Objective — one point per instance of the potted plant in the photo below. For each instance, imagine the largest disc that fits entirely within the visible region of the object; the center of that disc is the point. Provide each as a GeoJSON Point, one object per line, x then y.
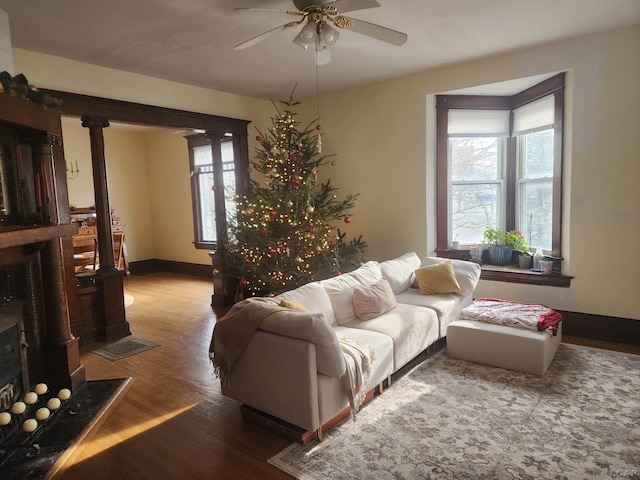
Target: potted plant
{"type": "Point", "coordinates": [502, 244]}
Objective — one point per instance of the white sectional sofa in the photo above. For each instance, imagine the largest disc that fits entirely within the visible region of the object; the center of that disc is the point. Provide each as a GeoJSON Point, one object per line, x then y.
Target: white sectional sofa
{"type": "Point", "coordinates": [293, 366]}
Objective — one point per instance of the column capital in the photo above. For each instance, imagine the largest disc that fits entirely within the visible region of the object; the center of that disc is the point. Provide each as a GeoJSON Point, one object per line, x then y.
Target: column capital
{"type": "Point", "coordinates": [91, 122]}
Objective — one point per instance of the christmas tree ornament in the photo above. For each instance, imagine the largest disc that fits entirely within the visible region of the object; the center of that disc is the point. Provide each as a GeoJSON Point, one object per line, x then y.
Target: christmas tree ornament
{"type": "Point", "coordinates": [258, 139]}
{"type": "Point", "coordinates": [272, 213]}
{"type": "Point", "coordinates": [347, 219]}
{"type": "Point", "coordinates": [310, 224]}
{"type": "Point", "coordinates": [310, 209]}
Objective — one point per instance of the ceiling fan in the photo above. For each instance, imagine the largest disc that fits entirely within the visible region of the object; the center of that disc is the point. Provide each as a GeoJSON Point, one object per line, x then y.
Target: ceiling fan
{"type": "Point", "coordinates": [317, 31]}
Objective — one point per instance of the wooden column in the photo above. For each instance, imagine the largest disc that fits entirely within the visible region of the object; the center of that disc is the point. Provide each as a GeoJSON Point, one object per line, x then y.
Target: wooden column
{"type": "Point", "coordinates": [63, 365]}
{"type": "Point", "coordinates": [114, 323]}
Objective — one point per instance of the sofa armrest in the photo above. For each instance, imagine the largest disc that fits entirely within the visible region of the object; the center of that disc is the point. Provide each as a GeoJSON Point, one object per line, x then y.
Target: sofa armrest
{"type": "Point", "coordinates": [277, 375]}
{"type": "Point", "coordinates": [312, 327]}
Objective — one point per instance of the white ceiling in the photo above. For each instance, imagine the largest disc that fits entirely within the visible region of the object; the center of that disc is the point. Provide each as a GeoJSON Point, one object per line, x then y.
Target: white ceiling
{"type": "Point", "coordinates": [191, 41]}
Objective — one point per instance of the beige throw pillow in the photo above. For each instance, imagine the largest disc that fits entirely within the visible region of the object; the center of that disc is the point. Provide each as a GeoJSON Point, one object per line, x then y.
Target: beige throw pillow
{"type": "Point", "coordinates": [438, 278]}
{"type": "Point", "coordinates": [371, 302]}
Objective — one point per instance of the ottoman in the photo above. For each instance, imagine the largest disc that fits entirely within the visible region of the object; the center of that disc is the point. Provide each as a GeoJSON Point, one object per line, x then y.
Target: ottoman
{"type": "Point", "coordinates": [513, 348]}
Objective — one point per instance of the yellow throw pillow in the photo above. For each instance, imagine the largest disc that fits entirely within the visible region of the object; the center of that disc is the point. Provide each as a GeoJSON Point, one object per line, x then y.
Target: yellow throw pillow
{"type": "Point", "coordinates": [438, 278]}
{"type": "Point", "coordinates": [293, 305]}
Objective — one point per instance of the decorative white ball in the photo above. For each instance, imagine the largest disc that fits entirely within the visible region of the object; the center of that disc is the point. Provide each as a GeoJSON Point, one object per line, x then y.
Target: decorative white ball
{"type": "Point", "coordinates": [42, 413]}
{"type": "Point", "coordinates": [31, 398]}
{"type": "Point", "coordinates": [41, 388]}
{"type": "Point", "coordinates": [53, 403]}
{"type": "Point", "coordinates": [64, 394]}
{"type": "Point", "coordinates": [311, 209]}
{"type": "Point", "coordinates": [18, 408]}
{"type": "Point", "coordinates": [5, 419]}
{"type": "Point", "coordinates": [29, 425]}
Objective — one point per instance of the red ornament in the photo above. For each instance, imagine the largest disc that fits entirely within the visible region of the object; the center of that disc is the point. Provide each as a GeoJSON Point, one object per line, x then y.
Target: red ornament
{"type": "Point", "coordinates": [338, 273]}
{"type": "Point", "coordinates": [347, 219]}
{"type": "Point", "coordinates": [272, 250]}
{"type": "Point", "coordinates": [293, 158]}
{"type": "Point", "coordinates": [265, 231]}
{"type": "Point", "coordinates": [272, 213]}
{"type": "Point", "coordinates": [310, 224]}
{"type": "Point", "coordinates": [302, 213]}
{"type": "Point", "coordinates": [246, 260]}
{"type": "Point", "coordinates": [256, 166]}
{"type": "Point", "coordinates": [258, 138]}
{"type": "Point", "coordinates": [318, 127]}
{"type": "Point", "coordinates": [243, 282]}
{"type": "Point", "coordinates": [296, 182]}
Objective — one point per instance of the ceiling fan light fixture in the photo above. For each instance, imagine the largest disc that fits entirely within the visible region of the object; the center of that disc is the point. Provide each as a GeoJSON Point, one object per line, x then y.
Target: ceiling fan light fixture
{"type": "Point", "coordinates": [307, 36]}
{"type": "Point", "coordinates": [328, 35]}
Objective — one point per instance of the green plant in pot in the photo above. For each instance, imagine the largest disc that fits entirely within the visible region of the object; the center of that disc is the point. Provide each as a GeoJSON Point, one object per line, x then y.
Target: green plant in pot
{"type": "Point", "coordinates": [502, 244]}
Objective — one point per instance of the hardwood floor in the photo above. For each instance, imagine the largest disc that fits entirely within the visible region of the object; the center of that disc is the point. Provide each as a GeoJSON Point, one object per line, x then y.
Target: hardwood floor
{"type": "Point", "coordinates": [172, 422]}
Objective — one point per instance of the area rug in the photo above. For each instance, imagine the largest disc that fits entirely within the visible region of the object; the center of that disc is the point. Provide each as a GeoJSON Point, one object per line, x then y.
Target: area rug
{"type": "Point", "coordinates": [451, 419]}
{"type": "Point", "coordinates": [124, 347]}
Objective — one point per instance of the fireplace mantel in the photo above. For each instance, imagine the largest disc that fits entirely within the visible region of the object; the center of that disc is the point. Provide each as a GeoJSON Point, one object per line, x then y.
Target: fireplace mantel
{"type": "Point", "coordinates": [27, 235]}
{"type": "Point", "coordinates": [35, 237]}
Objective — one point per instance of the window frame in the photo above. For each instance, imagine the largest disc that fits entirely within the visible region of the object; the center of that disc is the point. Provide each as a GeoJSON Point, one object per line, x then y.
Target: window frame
{"type": "Point", "coordinates": [552, 86]}
{"type": "Point", "coordinates": [241, 170]}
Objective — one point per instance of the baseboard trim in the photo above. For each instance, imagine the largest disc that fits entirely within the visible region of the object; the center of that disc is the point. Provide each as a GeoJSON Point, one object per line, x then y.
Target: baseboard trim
{"type": "Point", "coordinates": [601, 327]}
{"type": "Point", "coordinates": [154, 265]}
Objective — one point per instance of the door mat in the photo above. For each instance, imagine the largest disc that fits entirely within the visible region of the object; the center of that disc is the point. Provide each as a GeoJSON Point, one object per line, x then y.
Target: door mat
{"type": "Point", "coordinates": [124, 348]}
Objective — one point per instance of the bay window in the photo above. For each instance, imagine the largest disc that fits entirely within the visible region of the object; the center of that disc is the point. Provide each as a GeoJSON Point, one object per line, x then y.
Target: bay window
{"type": "Point", "coordinates": [499, 164]}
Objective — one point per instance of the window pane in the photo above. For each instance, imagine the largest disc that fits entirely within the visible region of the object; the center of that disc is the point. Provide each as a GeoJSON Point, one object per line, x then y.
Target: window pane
{"type": "Point", "coordinates": [475, 158]}
{"type": "Point", "coordinates": [202, 155]}
{"type": "Point", "coordinates": [229, 179]}
{"type": "Point", "coordinates": [207, 205]}
{"type": "Point", "coordinates": [537, 154]}
{"type": "Point", "coordinates": [535, 219]}
{"type": "Point", "coordinates": [473, 208]}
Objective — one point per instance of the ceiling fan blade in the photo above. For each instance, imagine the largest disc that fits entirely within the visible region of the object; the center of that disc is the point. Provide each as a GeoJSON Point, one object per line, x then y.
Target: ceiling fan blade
{"type": "Point", "coordinates": [252, 41]}
{"type": "Point", "coordinates": [289, 12]}
{"type": "Point", "coordinates": [377, 31]}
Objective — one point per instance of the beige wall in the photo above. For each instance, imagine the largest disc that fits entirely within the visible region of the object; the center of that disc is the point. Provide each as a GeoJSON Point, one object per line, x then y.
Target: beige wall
{"type": "Point", "coordinates": [383, 135]}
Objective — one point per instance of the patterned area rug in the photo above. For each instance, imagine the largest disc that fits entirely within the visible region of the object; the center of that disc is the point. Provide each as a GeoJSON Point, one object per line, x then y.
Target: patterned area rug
{"type": "Point", "coordinates": [451, 419]}
{"type": "Point", "coordinates": [124, 348]}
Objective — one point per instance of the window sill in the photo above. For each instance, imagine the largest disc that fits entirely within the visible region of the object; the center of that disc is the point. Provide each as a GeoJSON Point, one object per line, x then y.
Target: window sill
{"type": "Point", "coordinates": [520, 275]}
{"type": "Point", "coordinates": [512, 274]}
{"type": "Point", "coordinates": [206, 245]}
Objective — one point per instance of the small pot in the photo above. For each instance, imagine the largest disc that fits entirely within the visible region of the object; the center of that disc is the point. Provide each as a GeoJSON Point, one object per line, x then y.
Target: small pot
{"type": "Point", "coordinates": [525, 261]}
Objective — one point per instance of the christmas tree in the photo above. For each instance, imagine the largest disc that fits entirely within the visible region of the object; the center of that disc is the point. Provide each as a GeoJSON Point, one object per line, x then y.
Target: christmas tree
{"type": "Point", "coordinates": [285, 234]}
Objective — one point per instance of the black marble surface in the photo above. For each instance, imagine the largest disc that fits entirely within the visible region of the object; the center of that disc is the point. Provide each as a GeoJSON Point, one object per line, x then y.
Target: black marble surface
{"type": "Point", "coordinates": [32, 455]}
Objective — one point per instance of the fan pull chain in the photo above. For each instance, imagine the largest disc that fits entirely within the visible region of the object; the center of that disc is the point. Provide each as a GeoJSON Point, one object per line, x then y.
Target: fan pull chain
{"type": "Point", "coordinates": [319, 144]}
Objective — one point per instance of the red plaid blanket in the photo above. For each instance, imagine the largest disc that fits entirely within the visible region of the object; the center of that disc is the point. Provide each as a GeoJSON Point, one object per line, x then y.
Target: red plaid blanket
{"type": "Point", "coordinates": [503, 312]}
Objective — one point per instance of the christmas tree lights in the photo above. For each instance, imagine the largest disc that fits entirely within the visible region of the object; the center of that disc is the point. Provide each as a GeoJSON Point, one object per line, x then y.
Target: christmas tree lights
{"type": "Point", "coordinates": [285, 234]}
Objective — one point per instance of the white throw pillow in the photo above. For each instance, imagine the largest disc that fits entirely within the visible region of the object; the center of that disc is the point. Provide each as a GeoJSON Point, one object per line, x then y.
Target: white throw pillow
{"type": "Point", "coordinates": [313, 297]}
{"type": "Point", "coordinates": [399, 271]}
{"type": "Point", "coordinates": [371, 302]}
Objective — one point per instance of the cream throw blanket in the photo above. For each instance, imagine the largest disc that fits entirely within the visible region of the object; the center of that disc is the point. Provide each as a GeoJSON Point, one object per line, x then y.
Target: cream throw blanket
{"type": "Point", "coordinates": [233, 332]}
{"type": "Point", "coordinates": [359, 358]}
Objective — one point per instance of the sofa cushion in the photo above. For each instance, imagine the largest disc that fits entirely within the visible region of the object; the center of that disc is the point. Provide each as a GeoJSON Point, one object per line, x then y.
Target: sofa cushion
{"type": "Point", "coordinates": [382, 365]}
{"type": "Point", "coordinates": [446, 306]}
{"type": "Point", "coordinates": [437, 278]}
{"type": "Point", "coordinates": [399, 271]}
{"type": "Point", "coordinates": [314, 328]}
{"type": "Point", "coordinates": [312, 297]}
{"type": "Point", "coordinates": [340, 290]}
{"type": "Point", "coordinates": [411, 328]}
{"type": "Point", "coordinates": [467, 273]}
{"type": "Point", "coordinates": [374, 300]}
